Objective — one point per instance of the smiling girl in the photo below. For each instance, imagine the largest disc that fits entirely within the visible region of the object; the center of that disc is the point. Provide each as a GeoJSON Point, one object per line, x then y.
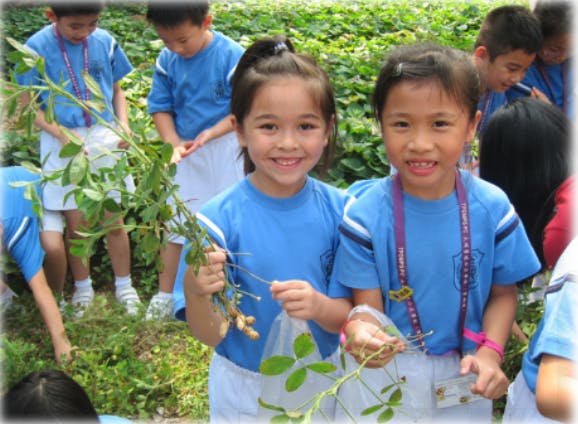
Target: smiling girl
{"type": "Point", "coordinates": [282, 221]}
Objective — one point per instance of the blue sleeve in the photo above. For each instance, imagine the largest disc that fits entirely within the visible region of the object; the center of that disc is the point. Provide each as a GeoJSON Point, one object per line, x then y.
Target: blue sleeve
{"type": "Point", "coordinates": [121, 66]}
{"type": "Point", "coordinates": [160, 98]}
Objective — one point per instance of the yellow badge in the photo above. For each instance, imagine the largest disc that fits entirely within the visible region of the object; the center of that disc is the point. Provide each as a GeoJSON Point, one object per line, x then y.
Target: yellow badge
{"type": "Point", "coordinates": [401, 294]}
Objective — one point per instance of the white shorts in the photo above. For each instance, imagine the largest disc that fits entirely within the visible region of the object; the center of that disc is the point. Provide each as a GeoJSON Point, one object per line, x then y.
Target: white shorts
{"type": "Point", "coordinates": [418, 403]}
{"type": "Point", "coordinates": [205, 173]}
{"type": "Point", "coordinates": [521, 405]}
{"type": "Point", "coordinates": [52, 221]}
{"type": "Point", "coordinates": [233, 392]}
{"type": "Point", "coordinates": [97, 140]}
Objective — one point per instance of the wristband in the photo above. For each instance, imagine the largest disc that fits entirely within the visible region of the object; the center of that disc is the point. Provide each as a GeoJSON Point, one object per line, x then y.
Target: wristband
{"type": "Point", "coordinates": [481, 340]}
{"type": "Point", "coordinates": [343, 336]}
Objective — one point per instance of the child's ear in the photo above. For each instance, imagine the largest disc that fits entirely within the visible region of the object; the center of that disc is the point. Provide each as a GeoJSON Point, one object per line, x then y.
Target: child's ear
{"type": "Point", "coordinates": [473, 126]}
{"type": "Point", "coordinates": [481, 52]}
{"type": "Point", "coordinates": [207, 22]}
{"type": "Point", "coordinates": [49, 13]}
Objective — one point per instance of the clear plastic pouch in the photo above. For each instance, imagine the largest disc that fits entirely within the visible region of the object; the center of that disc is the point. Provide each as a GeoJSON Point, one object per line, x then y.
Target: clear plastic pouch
{"type": "Point", "coordinates": [281, 341]}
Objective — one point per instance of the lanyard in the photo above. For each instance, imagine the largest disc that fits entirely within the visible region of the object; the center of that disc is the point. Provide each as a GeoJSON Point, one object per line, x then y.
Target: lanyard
{"type": "Point", "coordinates": [400, 248]}
{"type": "Point", "coordinates": [542, 69]}
{"type": "Point", "coordinates": [75, 84]}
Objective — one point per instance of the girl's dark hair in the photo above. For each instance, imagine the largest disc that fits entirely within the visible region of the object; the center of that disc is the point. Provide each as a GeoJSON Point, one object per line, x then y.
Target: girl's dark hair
{"type": "Point", "coordinates": [556, 17]}
{"type": "Point", "coordinates": [525, 151]}
{"type": "Point", "coordinates": [172, 14]}
{"type": "Point", "coordinates": [453, 69]}
{"type": "Point", "coordinates": [48, 396]}
{"type": "Point", "coordinates": [509, 28]}
{"type": "Point", "coordinates": [64, 8]}
{"type": "Point", "coordinates": [275, 57]}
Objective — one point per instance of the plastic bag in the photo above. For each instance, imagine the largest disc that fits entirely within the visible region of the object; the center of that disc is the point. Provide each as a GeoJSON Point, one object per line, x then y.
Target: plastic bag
{"type": "Point", "coordinates": [281, 341]}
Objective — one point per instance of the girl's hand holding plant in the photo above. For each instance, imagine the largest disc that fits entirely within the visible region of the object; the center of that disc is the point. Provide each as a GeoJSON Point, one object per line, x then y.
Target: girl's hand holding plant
{"type": "Point", "coordinates": [210, 278]}
{"type": "Point", "coordinates": [365, 339]}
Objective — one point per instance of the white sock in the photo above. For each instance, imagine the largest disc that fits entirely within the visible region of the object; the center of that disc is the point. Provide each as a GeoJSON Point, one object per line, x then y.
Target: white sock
{"type": "Point", "coordinates": [122, 282]}
{"type": "Point", "coordinates": [164, 295]}
{"type": "Point", "coordinates": [83, 285]}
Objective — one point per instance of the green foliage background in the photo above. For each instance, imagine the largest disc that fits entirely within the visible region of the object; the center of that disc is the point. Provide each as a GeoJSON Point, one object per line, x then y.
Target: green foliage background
{"type": "Point", "coordinates": [157, 370]}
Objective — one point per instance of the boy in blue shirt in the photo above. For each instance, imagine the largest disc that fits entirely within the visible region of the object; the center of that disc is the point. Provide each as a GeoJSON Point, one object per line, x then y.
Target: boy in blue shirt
{"type": "Point", "coordinates": [20, 237]}
{"type": "Point", "coordinates": [550, 76]}
{"type": "Point", "coordinates": [189, 102]}
{"type": "Point", "coordinates": [70, 45]}
{"type": "Point", "coordinates": [505, 47]}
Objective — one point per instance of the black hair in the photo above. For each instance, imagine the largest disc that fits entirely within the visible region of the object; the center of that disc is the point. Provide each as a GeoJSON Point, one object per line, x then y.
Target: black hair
{"type": "Point", "coordinates": [556, 17]}
{"type": "Point", "coordinates": [48, 396]}
{"type": "Point", "coordinates": [64, 8]}
{"type": "Point", "coordinates": [274, 57]}
{"type": "Point", "coordinates": [452, 68]}
{"type": "Point", "coordinates": [170, 15]}
{"type": "Point", "coordinates": [525, 150]}
{"type": "Point", "coordinates": [509, 28]}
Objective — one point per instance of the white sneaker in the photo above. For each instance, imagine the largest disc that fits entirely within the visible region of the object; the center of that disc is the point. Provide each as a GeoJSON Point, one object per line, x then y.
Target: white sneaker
{"type": "Point", "coordinates": [160, 309]}
{"type": "Point", "coordinates": [6, 300]}
{"type": "Point", "coordinates": [129, 298]}
{"type": "Point", "coordinates": [81, 299]}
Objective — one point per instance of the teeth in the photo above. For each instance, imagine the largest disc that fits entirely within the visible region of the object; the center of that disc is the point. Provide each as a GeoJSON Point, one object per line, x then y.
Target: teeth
{"type": "Point", "coordinates": [421, 164]}
{"type": "Point", "coordinates": [286, 162]}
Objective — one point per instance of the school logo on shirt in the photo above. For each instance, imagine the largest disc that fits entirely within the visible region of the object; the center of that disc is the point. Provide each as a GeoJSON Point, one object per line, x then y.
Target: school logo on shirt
{"type": "Point", "coordinates": [326, 259]}
{"type": "Point", "coordinates": [219, 90]}
{"type": "Point", "coordinates": [96, 70]}
{"type": "Point", "coordinates": [477, 257]}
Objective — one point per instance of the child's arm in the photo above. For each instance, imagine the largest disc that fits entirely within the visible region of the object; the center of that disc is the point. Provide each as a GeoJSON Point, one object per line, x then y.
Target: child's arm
{"type": "Point", "coordinates": [224, 126]}
{"type": "Point", "coordinates": [120, 107]}
{"type": "Point", "coordinates": [497, 323]}
{"type": "Point", "coordinates": [51, 315]}
{"type": "Point", "coordinates": [556, 387]}
{"type": "Point", "coordinates": [165, 125]}
{"type": "Point", "coordinates": [51, 128]}
{"type": "Point", "coordinates": [302, 301]}
{"type": "Point", "coordinates": [202, 317]}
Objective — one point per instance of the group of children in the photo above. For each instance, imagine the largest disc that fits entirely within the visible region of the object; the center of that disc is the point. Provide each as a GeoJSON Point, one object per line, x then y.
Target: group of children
{"type": "Point", "coordinates": [433, 248]}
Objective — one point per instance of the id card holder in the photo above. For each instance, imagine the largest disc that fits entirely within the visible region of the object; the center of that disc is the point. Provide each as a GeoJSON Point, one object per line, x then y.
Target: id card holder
{"type": "Point", "coordinates": [455, 391]}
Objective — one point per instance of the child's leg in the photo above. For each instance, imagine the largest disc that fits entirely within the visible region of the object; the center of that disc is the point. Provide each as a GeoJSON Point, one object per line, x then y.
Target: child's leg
{"type": "Point", "coordinates": [118, 246]}
{"type": "Point", "coordinates": [161, 304]}
{"type": "Point", "coordinates": [51, 238]}
{"type": "Point", "coordinates": [83, 292]}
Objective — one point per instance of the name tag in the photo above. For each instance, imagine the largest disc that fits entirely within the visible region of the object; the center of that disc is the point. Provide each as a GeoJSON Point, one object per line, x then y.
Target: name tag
{"type": "Point", "coordinates": [455, 391]}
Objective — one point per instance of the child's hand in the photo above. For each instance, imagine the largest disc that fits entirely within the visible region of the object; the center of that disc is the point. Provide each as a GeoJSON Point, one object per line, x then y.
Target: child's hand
{"type": "Point", "coordinates": [365, 339]}
{"type": "Point", "coordinates": [492, 383]}
{"type": "Point", "coordinates": [539, 95]}
{"type": "Point", "coordinates": [210, 278]}
{"type": "Point", "coordinates": [297, 297]}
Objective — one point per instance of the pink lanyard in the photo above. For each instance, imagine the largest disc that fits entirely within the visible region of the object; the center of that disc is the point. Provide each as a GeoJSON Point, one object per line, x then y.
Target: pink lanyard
{"type": "Point", "coordinates": [547, 81]}
{"type": "Point", "coordinates": [75, 84]}
{"type": "Point", "coordinates": [400, 247]}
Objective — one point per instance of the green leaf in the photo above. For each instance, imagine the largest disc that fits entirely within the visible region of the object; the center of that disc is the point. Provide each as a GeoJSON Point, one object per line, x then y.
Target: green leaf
{"type": "Point", "coordinates": [93, 194]}
{"type": "Point", "coordinates": [266, 405]}
{"type": "Point", "coordinates": [296, 379]}
{"type": "Point", "coordinates": [322, 367]}
{"type": "Point", "coordinates": [371, 410]}
{"type": "Point", "coordinates": [77, 168]}
{"type": "Point", "coordinates": [303, 345]}
{"type": "Point", "coordinates": [280, 419]}
{"type": "Point", "coordinates": [111, 205]}
{"type": "Point", "coordinates": [385, 416]}
{"type": "Point", "coordinates": [395, 396]}
{"type": "Point", "coordinates": [92, 85]}
{"type": "Point", "coordinates": [166, 152]}
{"type": "Point", "coordinates": [69, 150]}
{"type": "Point", "coordinates": [276, 365]}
